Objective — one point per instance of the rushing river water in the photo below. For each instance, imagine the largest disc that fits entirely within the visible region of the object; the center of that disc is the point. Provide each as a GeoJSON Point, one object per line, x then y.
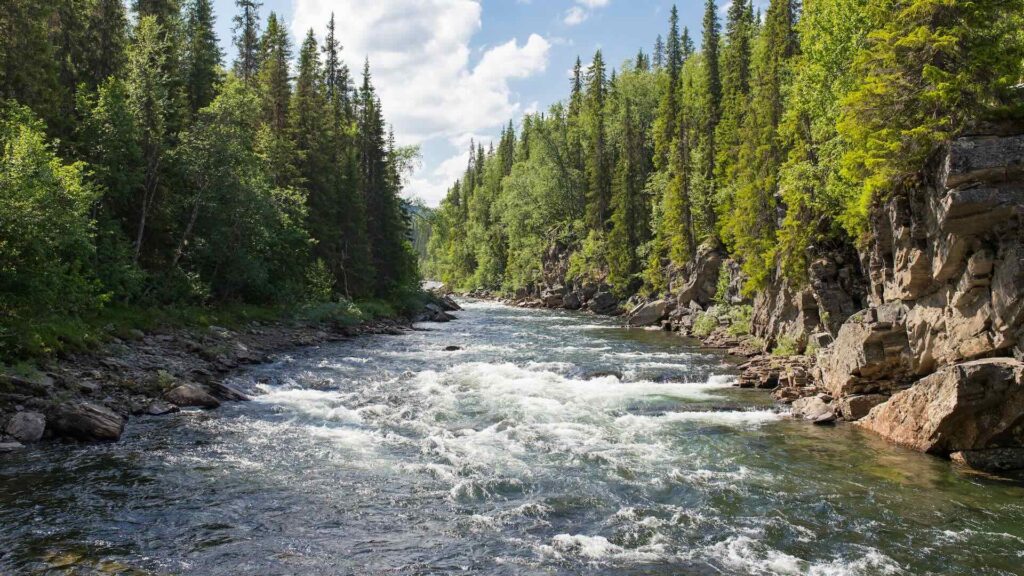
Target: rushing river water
{"type": "Point", "coordinates": [523, 452]}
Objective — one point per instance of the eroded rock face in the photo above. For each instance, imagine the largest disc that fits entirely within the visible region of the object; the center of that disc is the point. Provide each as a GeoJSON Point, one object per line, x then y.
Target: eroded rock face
{"type": "Point", "coordinates": [949, 254]}
{"type": "Point", "coordinates": [853, 408]}
{"type": "Point", "coordinates": [974, 405]}
{"type": "Point", "coordinates": [700, 276]}
{"type": "Point", "coordinates": [871, 354]}
{"type": "Point", "coordinates": [86, 421]}
{"type": "Point", "coordinates": [603, 303]}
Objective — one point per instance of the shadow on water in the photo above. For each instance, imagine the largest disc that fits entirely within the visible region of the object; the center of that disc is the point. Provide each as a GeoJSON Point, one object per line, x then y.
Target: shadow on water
{"type": "Point", "coordinates": [547, 443]}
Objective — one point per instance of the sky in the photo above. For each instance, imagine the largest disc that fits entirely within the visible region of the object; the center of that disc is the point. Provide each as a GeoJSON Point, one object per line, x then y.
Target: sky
{"type": "Point", "coordinates": [452, 71]}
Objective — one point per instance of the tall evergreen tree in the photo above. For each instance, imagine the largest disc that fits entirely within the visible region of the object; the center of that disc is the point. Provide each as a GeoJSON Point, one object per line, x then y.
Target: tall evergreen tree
{"type": "Point", "coordinates": [203, 56]}
{"type": "Point", "coordinates": [596, 160]}
{"type": "Point", "coordinates": [713, 87]}
{"type": "Point", "coordinates": [247, 39]}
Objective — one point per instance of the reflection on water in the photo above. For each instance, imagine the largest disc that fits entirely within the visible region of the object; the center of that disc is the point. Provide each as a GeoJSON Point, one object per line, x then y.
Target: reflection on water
{"type": "Point", "coordinates": [550, 443]}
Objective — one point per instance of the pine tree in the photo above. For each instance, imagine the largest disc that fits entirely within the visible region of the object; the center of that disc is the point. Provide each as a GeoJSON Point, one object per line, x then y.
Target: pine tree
{"type": "Point", "coordinates": [247, 39]}
{"type": "Point", "coordinates": [686, 44]}
{"type": "Point", "coordinates": [203, 56]}
{"type": "Point", "coordinates": [659, 53]}
{"type": "Point", "coordinates": [275, 88]}
{"type": "Point", "coordinates": [337, 82]}
{"type": "Point", "coordinates": [670, 101]}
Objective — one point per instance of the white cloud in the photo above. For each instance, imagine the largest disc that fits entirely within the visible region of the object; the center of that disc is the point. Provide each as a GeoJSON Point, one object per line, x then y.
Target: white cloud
{"type": "Point", "coordinates": [420, 58]}
{"type": "Point", "coordinates": [577, 14]}
{"type": "Point", "coordinates": [432, 186]}
{"type": "Point", "coordinates": [574, 16]}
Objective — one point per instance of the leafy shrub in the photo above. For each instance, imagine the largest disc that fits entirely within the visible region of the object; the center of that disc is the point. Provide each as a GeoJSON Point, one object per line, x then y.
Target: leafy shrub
{"type": "Point", "coordinates": [705, 323]}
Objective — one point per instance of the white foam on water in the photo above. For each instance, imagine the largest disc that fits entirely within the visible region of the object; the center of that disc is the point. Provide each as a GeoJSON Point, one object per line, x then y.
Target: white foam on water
{"type": "Point", "coordinates": [736, 419]}
{"type": "Point", "coordinates": [747, 554]}
{"type": "Point", "coordinates": [598, 549]}
{"type": "Point", "coordinates": [315, 404]}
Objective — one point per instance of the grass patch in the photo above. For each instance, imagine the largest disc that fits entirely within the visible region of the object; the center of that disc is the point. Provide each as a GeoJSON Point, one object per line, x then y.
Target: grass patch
{"type": "Point", "coordinates": [786, 346]}
{"type": "Point", "coordinates": [25, 339]}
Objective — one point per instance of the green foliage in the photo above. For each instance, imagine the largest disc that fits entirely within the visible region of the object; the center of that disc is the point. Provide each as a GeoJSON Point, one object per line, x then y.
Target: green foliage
{"type": "Point", "coordinates": [185, 187]}
{"type": "Point", "coordinates": [928, 68]}
{"type": "Point", "coordinates": [787, 346]}
{"type": "Point", "coordinates": [705, 324]}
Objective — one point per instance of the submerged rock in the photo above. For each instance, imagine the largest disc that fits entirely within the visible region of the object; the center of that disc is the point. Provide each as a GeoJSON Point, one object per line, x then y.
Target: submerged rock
{"type": "Point", "coordinates": [86, 421]}
{"type": "Point", "coordinates": [191, 395]}
{"type": "Point", "coordinates": [160, 408]}
{"type": "Point", "coordinates": [970, 406]}
{"type": "Point", "coordinates": [10, 446]}
{"type": "Point", "coordinates": [26, 426]}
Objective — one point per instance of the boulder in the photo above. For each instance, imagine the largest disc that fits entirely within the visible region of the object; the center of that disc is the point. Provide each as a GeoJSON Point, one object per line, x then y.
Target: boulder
{"type": "Point", "coordinates": [572, 301]}
{"type": "Point", "coordinates": [191, 395]}
{"type": "Point", "coordinates": [813, 408]}
{"type": "Point", "coordinates": [604, 303]}
{"type": "Point", "coordinates": [26, 426]}
{"type": "Point", "coordinates": [434, 313]}
{"type": "Point", "coordinates": [648, 314]}
{"type": "Point", "coordinates": [160, 408]}
{"type": "Point", "coordinates": [226, 392]}
{"type": "Point", "coordinates": [86, 421]}
{"type": "Point", "coordinates": [552, 299]}
{"type": "Point", "coordinates": [853, 408]}
{"type": "Point", "coordinates": [970, 406]}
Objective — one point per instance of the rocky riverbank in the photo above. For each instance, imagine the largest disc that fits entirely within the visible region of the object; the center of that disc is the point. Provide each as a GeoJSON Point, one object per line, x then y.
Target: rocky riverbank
{"type": "Point", "coordinates": [91, 396]}
{"type": "Point", "coordinates": [916, 335]}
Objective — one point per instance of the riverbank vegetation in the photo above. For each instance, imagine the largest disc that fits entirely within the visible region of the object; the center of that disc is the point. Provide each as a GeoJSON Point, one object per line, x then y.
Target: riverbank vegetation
{"type": "Point", "coordinates": [142, 180]}
{"type": "Point", "coordinates": [771, 138]}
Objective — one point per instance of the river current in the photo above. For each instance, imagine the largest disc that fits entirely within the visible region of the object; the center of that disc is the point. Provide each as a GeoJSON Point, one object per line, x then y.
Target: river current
{"type": "Point", "coordinates": [548, 443]}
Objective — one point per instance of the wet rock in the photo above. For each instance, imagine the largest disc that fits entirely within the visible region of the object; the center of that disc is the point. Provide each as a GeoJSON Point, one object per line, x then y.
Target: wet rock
{"type": "Point", "coordinates": [26, 426]}
{"type": "Point", "coordinates": [595, 374]}
{"type": "Point", "coordinates": [227, 392]}
{"type": "Point", "coordinates": [191, 395]}
{"type": "Point", "coordinates": [853, 408]}
{"type": "Point", "coordinates": [10, 446]}
{"type": "Point", "coordinates": [648, 314]}
{"type": "Point", "coordinates": [434, 313]}
{"type": "Point", "coordinates": [86, 421]}
{"type": "Point", "coordinates": [970, 406]}
{"type": "Point", "coordinates": [604, 303]}
{"type": "Point", "coordinates": [571, 301]}
{"type": "Point", "coordinates": [452, 348]}
{"type": "Point", "coordinates": [448, 304]}
{"type": "Point", "coordinates": [813, 408]}
{"type": "Point", "coordinates": [160, 408]}
{"type": "Point", "coordinates": [991, 460]}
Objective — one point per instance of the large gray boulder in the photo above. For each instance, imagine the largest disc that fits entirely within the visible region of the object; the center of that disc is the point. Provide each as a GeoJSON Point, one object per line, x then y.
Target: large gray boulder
{"type": "Point", "coordinates": [86, 421]}
{"type": "Point", "coordinates": [191, 395]}
{"type": "Point", "coordinates": [975, 405]}
{"type": "Point", "coordinates": [26, 426]}
{"type": "Point", "coordinates": [649, 313]}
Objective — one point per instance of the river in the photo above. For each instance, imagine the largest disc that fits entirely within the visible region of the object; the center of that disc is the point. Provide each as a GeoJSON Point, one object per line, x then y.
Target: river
{"type": "Point", "coordinates": [548, 443]}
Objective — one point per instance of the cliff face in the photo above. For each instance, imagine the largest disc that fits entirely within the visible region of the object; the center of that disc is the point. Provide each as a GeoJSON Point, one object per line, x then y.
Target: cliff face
{"type": "Point", "coordinates": [945, 270]}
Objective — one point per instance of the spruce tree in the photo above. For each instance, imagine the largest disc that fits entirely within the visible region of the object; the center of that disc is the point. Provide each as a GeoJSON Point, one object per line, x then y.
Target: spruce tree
{"type": "Point", "coordinates": [596, 157]}
{"type": "Point", "coordinates": [203, 56]}
{"type": "Point", "coordinates": [247, 39]}
{"type": "Point", "coordinates": [712, 114]}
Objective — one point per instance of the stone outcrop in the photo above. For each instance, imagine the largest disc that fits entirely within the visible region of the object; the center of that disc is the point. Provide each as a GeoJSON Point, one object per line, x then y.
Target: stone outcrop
{"type": "Point", "coordinates": [974, 405]}
{"type": "Point", "coordinates": [86, 421]}
{"type": "Point", "coordinates": [698, 281]}
{"type": "Point", "coordinates": [945, 267]}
